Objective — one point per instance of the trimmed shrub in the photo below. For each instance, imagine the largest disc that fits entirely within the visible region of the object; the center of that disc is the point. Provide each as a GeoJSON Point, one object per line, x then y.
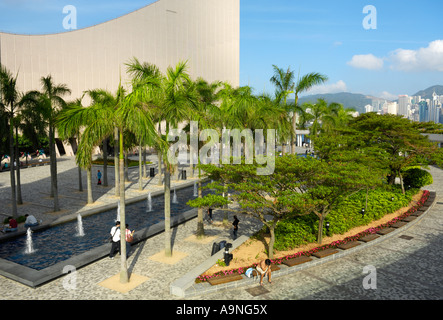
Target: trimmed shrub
{"type": "Point", "coordinates": [417, 178]}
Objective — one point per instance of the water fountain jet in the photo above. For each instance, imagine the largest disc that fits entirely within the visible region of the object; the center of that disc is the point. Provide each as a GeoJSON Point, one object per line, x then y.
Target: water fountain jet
{"type": "Point", "coordinates": [195, 189]}
{"type": "Point", "coordinates": [174, 198]}
{"type": "Point", "coordinates": [149, 205]}
{"type": "Point", "coordinates": [80, 230]}
{"type": "Point", "coordinates": [29, 244]}
{"type": "Point", "coordinates": [118, 212]}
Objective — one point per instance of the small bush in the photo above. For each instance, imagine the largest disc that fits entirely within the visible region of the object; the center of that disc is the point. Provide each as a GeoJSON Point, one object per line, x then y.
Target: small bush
{"type": "Point", "coordinates": [417, 178]}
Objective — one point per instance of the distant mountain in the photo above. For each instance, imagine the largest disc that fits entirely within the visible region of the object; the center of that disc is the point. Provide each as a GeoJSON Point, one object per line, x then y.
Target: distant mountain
{"type": "Point", "coordinates": [359, 101]}
{"type": "Point", "coordinates": [427, 93]}
{"type": "Point", "coordinates": [348, 100]}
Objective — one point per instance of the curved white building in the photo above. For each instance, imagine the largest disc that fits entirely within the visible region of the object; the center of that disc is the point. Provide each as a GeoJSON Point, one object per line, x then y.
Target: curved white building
{"type": "Point", "coordinates": [206, 33]}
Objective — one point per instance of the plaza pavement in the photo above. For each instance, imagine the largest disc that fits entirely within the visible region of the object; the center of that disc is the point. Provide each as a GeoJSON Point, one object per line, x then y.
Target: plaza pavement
{"type": "Point", "coordinates": [406, 267]}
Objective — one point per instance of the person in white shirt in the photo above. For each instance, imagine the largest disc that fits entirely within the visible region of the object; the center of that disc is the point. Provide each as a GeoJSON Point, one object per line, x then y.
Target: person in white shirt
{"type": "Point", "coordinates": [115, 239]}
{"type": "Point", "coordinates": [31, 221]}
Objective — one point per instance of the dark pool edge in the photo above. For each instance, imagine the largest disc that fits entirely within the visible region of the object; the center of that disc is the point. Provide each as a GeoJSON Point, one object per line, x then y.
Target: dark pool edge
{"type": "Point", "coordinates": [34, 278]}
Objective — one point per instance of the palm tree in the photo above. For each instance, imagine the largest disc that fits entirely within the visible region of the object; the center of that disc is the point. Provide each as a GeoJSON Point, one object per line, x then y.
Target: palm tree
{"type": "Point", "coordinates": [303, 84]}
{"type": "Point", "coordinates": [128, 115]}
{"type": "Point", "coordinates": [71, 135]}
{"type": "Point", "coordinates": [46, 104]}
{"type": "Point", "coordinates": [178, 101]}
{"type": "Point", "coordinates": [284, 83]}
{"type": "Point", "coordinates": [9, 99]}
{"type": "Point", "coordinates": [207, 114]}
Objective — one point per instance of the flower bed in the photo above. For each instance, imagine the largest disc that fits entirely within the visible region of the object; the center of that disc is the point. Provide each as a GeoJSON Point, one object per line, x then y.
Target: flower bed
{"type": "Point", "coordinates": [373, 230]}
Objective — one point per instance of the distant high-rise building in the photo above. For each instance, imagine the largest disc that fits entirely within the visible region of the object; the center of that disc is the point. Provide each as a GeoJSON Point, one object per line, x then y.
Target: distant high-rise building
{"type": "Point", "coordinates": [391, 107]}
{"type": "Point", "coordinates": [423, 111]}
{"type": "Point", "coordinates": [377, 105]}
{"type": "Point", "coordinates": [403, 103]}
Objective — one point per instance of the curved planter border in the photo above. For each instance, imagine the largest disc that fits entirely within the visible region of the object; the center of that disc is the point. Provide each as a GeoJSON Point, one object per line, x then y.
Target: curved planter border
{"type": "Point", "coordinates": [186, 286]}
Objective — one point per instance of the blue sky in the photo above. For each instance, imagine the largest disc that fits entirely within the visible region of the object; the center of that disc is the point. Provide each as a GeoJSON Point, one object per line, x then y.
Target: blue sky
{"type": "Point", "coordinates": [402, 55]}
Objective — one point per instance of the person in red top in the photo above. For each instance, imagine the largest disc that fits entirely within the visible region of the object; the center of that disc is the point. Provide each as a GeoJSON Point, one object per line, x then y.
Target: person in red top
{"type": "Point", "coordinates": [12, 225]}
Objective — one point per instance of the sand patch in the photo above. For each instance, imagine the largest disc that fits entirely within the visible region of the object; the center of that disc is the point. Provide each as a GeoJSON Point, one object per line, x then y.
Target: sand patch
{"type": "Point", "coordinates": [176, 257]}
{"type": "Point", "coordinates": [114, 283]}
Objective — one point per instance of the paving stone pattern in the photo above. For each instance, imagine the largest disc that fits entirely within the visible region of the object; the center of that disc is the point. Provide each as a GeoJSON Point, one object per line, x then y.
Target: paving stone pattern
{"type": "Point", "coordinates": [407, 265]}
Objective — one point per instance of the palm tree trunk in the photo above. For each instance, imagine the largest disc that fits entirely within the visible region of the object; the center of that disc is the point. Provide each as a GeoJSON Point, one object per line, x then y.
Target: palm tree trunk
{"type": "Point", "coordinates": [19, 188]}
{"type": "Point", "coordinates": [294, 133]}
{"type": "Point", "coordinates": [89, 184]}
{"type": "Point", "coordinates": [126, 167]}
{"type": "Point", "coordinates": [11, 166]}
{"type": "Point", "coordinates": [144, 163]}
{"type": "Point", "coordinates": [159, 168]}
{"type": "Point", "coordinates": [53, 162]}
{"type": "Point", "coordinates": [168, 249]}
{"type": "Point", "coordinates": [124, 278]}
{"type": "Point", "coordinates": [105, 162]}
{"type": "Point", "coordinates": [200, 226]}
{"type": "Point", "coordinates": [191, 160]}
{"type": "Point", "coordinates": [140, 168]}
{"type": "Point", "coordinates": [80, 185]}
{"type": "Point", "coordinates": [116, 163]}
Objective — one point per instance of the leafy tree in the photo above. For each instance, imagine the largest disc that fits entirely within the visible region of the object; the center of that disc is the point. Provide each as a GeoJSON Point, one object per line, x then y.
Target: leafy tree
{"type": "Point", "coordinates": [327, 184]}
{"type": "Point", "coordinates": [298, 186]}
{"type": "Point", "coordinates": [398, 141]}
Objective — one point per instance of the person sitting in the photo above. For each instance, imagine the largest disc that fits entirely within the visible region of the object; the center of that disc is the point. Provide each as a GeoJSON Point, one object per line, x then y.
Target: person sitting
{"type": "Point", "coordinates": [12, 226]}
{"type": "Point", "coordinates": [5, 162]}
{"type": "Point", "coordinates": [264, 267]}
{"type": "Point", "coordinates": [31, 221]}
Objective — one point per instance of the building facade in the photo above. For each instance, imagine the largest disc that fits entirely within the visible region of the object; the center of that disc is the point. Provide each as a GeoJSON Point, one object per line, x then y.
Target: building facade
{"type": "Point", "coordinates": [205, 33]}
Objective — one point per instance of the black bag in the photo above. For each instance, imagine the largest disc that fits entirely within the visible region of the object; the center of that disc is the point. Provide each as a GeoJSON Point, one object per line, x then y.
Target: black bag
{"type": "Point", "coordinates": [110, 237]}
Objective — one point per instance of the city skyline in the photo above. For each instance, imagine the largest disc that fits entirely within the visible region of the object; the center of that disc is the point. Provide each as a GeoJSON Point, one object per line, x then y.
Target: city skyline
{"type": "Point", "coordinates": [374, 48]}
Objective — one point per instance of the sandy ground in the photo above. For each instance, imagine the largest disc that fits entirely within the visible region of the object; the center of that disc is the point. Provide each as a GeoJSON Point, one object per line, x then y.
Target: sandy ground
{"type": "Point", "coordinates": [253, 251]}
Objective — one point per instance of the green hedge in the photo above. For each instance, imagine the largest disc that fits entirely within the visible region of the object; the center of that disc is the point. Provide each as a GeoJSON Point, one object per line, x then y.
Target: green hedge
{"type": "Point", "coordinates": [297, 231]}
{"type": "Point", "coordinates": [417, 178]}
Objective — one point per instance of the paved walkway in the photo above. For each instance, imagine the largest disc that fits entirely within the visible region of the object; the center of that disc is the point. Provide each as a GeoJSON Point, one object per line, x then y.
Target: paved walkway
{"type": "Point", "coordinates": [404, 267]}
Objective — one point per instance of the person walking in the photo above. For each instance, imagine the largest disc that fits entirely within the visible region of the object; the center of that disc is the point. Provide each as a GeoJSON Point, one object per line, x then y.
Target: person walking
{"type": "Point", "coordinates": [210, 215]}
{"type": "Point", "coordinates": [115, 239]}
{"type": "Point", "coordinates": [99, 177]}
{"type": "Point", "coordinates": [235, 224]}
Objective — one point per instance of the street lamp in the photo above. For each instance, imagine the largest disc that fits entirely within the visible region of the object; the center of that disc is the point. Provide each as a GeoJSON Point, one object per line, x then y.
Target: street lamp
{"type": "Point", "coordinates": [363, 212]}
{"type": "Point", "coordinates": [228, 256]}
{"type": "Point", "coordinates": [327, 227]}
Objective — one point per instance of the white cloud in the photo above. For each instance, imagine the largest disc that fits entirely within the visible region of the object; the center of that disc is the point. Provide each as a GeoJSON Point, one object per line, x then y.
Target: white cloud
{"type": "Point", "coordinates": [339, 86]}
{"type": "Point", "coordinates": [422, 59]}
{"type": "Point", "coordinates": [388, 96]}
{"type": "Point", "coordinates": [366, 61]}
